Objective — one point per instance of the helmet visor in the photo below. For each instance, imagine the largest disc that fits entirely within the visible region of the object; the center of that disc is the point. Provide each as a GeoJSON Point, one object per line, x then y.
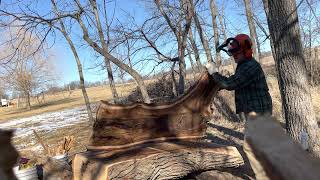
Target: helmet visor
{"type": "Point", "coordinates": [230, 46]}
{"type": "Point", "coordinates": [233, 47]}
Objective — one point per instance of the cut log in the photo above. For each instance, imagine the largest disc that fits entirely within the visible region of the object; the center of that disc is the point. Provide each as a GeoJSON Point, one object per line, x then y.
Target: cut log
{"type": "Point", "coordinates": [216, 175]}
{"type": "Point", "coordinates": [274, 154]}
{"type": "Point", "coordinates": [166, 160]}
{"type": "Point", "coordinates": [139, 122]}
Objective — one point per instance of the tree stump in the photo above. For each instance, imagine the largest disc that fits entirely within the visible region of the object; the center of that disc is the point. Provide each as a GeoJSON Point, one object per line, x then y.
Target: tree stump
{"type": "Point", "coordinates": [166, 160]}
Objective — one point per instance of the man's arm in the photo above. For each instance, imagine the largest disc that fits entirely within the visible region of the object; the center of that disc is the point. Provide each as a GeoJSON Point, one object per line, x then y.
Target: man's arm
{"type": "Point", "coordinates": [244, 76]}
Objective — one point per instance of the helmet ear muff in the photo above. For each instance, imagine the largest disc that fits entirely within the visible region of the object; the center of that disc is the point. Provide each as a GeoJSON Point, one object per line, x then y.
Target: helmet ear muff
{"type": "Point", "coordinates": [248, 44]}
{"type": "Point", "coordinates": [248, 52]}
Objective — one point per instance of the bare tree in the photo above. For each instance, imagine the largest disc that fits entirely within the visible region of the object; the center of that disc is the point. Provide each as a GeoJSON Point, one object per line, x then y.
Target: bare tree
{"type": "Point", "coordinates": [90, 41]}
{"type": "Point", "coordinates": [203, 38]}
{"type": "Point", "coordinates": [223, 30]}
{"type": "Point", "coordinates": [62, 29]}
{"type": "Point", "coordinates": [252, 28]}
{"type": "Point", "coordinates": [309, 24]}
{"type": "Point", "coordinates": [214, 13]}
{"type": "Point", "coordinates": [29, 76]}
{"type": "Point", "coordinates": [104, 45]}
{"type": "Point", "coordinates": [191, 63]}
{"type": "Point", "coordinates": [24, 67]}
{"type": "Point", "coordinates": [195, 50]}
{"type": "Point", "coordinates": [222, 23]}
{"type": "Point", "coordinates": [291, 68]}
{"type": "Point", "coordinates": [83, 16]}
{"type": "Point", "coordinates": [186, 13]}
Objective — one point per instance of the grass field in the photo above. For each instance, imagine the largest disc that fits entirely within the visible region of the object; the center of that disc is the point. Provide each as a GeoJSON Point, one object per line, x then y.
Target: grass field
{"type": "Point", "coordinates": [62, 100]}
{"type": "Point", "coordinates": [65, 100]}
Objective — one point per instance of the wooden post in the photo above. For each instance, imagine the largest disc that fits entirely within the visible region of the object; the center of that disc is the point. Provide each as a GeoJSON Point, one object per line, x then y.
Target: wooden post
{"type": "Point", "coordinates": [274, 154]}
{"type": "Point", "coordinates": [9, 155]}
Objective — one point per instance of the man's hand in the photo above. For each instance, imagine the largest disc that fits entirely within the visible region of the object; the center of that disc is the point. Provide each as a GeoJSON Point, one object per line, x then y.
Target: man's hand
{"type": "Point", "coordinates": [211, 68]}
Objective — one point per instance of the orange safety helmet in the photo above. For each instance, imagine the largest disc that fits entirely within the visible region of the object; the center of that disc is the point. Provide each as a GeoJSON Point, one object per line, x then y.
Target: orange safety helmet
{"type": "Point", "coordinates": [243, 43]}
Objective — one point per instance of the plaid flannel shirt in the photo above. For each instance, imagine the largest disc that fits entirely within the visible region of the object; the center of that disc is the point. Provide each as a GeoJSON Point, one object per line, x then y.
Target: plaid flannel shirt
{"type": "Point", "coordinates": [251, 89]}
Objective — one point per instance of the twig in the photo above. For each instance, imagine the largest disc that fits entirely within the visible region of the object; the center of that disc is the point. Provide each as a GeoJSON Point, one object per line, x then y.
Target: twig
{"type": "Point", "coordinates": [41, 142]}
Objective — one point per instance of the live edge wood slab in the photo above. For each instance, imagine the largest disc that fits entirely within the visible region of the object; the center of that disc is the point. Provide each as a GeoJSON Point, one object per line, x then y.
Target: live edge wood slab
{"type": "Point", "coordinates": [166, 160]}
{"type": "Point", "coordinates": [155, 141]}
{"type": "Point", "coordinates": [119, 126]}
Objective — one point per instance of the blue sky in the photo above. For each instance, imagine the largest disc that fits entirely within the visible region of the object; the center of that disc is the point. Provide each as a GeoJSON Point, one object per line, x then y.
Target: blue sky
{"type": "Point", "coordinates": [65, 63]}
{"type": "Point", "coordinates": [67, 67]}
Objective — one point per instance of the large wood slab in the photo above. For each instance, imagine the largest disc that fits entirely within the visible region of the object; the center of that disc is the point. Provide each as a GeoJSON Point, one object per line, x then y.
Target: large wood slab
{"type": "Point", "coordinates": [276, 153]}
{"type": "Point", "coordinates": [118, 125]}
{"type": "Point", "coordinates": [167, 160]}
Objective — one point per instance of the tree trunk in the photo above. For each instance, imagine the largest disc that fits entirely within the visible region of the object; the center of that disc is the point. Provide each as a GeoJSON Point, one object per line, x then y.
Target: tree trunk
{"type": "Point", "coordinates": [180, 34]}
{"type": "Point", "coordinates": [258, 44]}
{"type": "Point", "coordinates": [223, 29]}
{"type": "Point", "coordinates": [192, 64]}
{"type": "Point", "coordinates": [222, 25]}
{"type": "Point", "coordinates": [214, 11]}
{"type": "Point", "coordinates": [81, 77]}
{"type": "Point", "coordinates": [174, 81]}
{"type": "Point", "coordinates": [195, 51]}
{"type": "Point", "coordinates": [111, 81]}
{"type": "Point", "coordinates": [18, 103]}
{"type": "Point", "coordinates": [251, 28]}
{"type": "Point", "coordinates": [79, 65]}
{"type": "Point", "coordinates": [28, 104]}
{"type": "Point", "coordinates": [116, 61]}
{"type": "Point", "coordinates": [182, 69]}
{"type": "Point", "coordinates": [203, 38]}
{"type": "Point", "coordinates": [293, 83]}
{"type": "Point", "coordinates": [105, 48]}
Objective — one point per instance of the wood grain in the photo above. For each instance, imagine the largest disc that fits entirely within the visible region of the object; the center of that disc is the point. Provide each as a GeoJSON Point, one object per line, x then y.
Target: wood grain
{"type": "Point", "coordinates": [128, 124]}
{"type": "Point", "coordinates": [279, 155]}
{"type": "Point", "coordinates": [167, 160]}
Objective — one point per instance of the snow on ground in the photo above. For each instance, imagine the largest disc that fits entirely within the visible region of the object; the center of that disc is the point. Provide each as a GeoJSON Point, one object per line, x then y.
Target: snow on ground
{"type": "Point", "coordinates": [45, 124]}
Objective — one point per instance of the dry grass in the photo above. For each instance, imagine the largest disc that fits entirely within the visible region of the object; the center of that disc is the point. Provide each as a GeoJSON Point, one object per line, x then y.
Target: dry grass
{"type": "Point", "coordinates": [62, 100]}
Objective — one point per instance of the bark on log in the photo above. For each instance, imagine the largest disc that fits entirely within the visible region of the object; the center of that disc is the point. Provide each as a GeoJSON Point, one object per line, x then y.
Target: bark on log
{"type": "Point", "coordinates": [118, 125]}
{"type": "Point", "coordinates": [155, 161]}
{"type": "Point", "coordinates": [216, 175]}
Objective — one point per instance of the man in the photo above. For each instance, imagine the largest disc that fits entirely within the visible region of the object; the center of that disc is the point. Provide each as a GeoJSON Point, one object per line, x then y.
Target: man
{"type": "Point", "coordinates": [250, 86]}
{"type": "Point", "coordinates": [248, 82]}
